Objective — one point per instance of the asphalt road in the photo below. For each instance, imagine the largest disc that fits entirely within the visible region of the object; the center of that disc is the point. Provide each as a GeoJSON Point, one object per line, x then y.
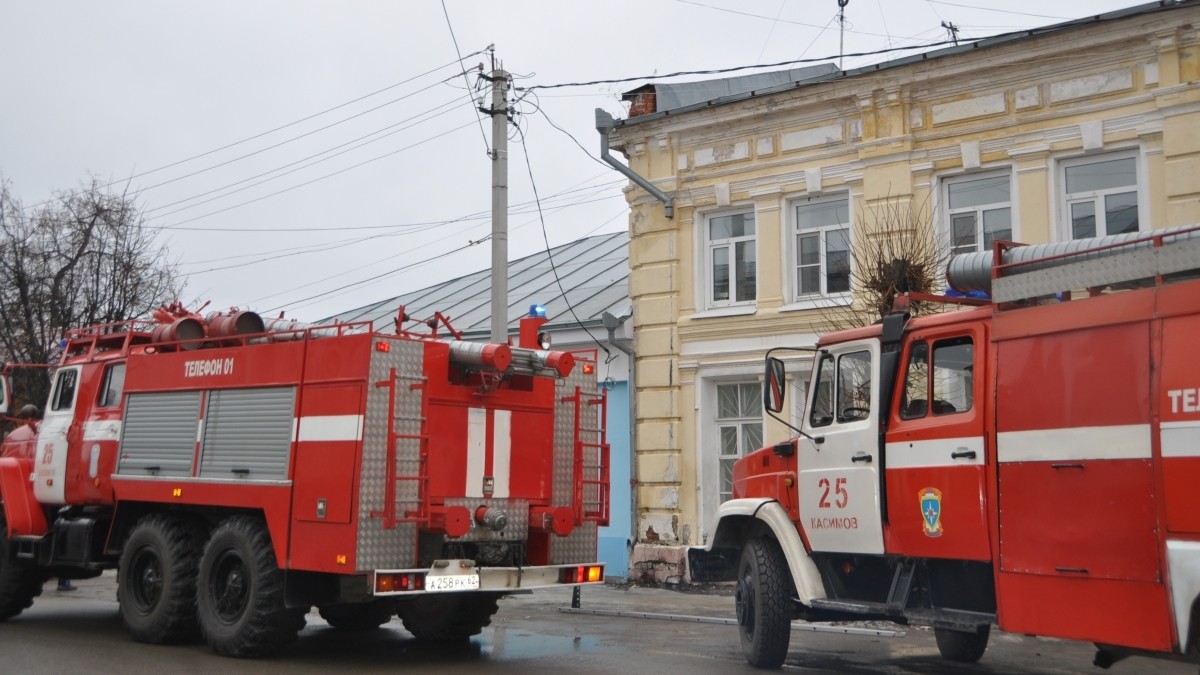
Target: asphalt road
{"type": "Point", "coordinates": [80, 632]}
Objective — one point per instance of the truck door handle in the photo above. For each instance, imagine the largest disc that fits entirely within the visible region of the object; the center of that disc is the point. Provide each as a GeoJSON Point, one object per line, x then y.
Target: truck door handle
{"type": "Point", "coordinates": [962, 453]}
{"type": "Point", "coordinates": [861, 458]}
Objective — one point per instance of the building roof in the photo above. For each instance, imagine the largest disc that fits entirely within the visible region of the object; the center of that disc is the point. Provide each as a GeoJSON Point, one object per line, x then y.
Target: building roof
{"type": "Point", "coordinates": [671, 96]}
{"type": "Point", "coordinates": [733, 89]}
{"type": "Point", "coordinates": [594, 272]}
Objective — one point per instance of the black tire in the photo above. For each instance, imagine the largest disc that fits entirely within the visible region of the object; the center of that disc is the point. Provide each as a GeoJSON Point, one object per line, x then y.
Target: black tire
{"type": "Point", "coordinates": [962, 647]}
{"type": "Point", "coordinates": [156, 581]}
{"type": "Point", "coordinates": [449, 616]}
{"type": "Point", "coordinates": [20, 581]}
{"type": "Point", "coordinates": [358, 616]}
{"type": "Point", "coordinates": [764, 603]}
{"type": "Point", "coordinates": [239, 597]}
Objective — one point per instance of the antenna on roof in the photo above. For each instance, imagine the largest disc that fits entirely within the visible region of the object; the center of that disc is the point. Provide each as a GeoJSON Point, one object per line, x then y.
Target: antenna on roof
{"type": "Point", "coordinates": [842, 31]}
{"type": "Point", "coordinates": [951, 31]}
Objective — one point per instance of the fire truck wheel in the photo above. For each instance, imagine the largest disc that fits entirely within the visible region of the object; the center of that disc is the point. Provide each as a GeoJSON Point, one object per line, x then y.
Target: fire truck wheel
{"type": "Point", "coordinates": [239, 597]}
{"type": "Point", "coordinates": [20, 582]}
{"type": "Point", "coordinates": [358, 616]}
{"type": "Point", "coordinates": [763, 596]}
{"type": "Point", "coordinates": [450, 616]}
{"type": "Point", "coordinates": [156, 581]}
{"type": "Point", "coordinates": [961, 646]}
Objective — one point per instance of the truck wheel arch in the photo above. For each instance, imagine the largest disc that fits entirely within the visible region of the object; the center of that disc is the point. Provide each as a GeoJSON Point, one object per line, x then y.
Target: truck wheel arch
{"type": "Point", "coordinates": [741, 520]}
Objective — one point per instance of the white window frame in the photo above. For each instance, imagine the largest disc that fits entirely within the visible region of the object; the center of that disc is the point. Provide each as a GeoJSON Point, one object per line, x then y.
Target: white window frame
{"type": "Point", "coordinates": [708, 436]}
{"type": "Point", "coordinates": [744, 446]}
{"type": "Point", "coordinates": [1065, 200]}
{"type": "Point", "coordinates": [948, 213]}
{"type": "Point", "coordinates": [822, 298]}
{"type": "Point", "coordinates": [707, 250]}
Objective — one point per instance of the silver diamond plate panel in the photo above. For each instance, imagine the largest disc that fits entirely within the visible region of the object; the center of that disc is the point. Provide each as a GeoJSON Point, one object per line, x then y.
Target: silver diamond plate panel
{"type": "Point", "coordinates": [518, 520]}
{"type": "Point", "coordinates": [580, 545]}
{"type": "Point", "coordinates": [1179, 256]}
{"type": "Point", "coordinates": [1114, 269]}
{"type": "Point", "coordinates": [577, 547]}
{"type": "Point", "coordinates": [564, 430]}
{"type": "Point", "coordinates": [379, 547]}
{"type": "Point", "coordinates": [564, 449]}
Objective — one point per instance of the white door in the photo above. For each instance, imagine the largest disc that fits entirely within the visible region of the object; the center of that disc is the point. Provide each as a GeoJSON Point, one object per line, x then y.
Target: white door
{"type": "Point", "coordinates": [839, 477]}
{"type": "Point", "coordinates": [50, 462]}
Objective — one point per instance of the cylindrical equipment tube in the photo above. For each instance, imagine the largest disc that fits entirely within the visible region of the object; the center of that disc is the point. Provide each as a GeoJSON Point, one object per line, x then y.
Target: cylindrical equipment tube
{"type": "Point", "coordinates": [481, 355]}
{"type": "Point", "coordinates": [186, 331]}
{"type": "Point", "coordinates": [539, 362]}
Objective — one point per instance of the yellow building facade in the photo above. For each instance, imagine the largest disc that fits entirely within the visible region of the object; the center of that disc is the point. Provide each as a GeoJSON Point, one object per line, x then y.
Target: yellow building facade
{"type": "Point", "coordinates": [1081, 129]}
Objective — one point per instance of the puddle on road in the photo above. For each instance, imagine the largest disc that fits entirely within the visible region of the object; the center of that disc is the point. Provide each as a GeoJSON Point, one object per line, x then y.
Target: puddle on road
{"type": "Point", "coordinates": [502, 644]}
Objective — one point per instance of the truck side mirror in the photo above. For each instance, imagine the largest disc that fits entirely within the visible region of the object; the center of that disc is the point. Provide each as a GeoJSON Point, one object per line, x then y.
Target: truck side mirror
{"type": "Point", "coordinates": [775, 385]}
{"type": "Point", "coordinates": [5, 397]}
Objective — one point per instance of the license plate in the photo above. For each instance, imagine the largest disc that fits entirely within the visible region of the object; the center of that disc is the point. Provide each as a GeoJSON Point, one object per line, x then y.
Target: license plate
{"type": "Point", "coordinates": [457, 582]}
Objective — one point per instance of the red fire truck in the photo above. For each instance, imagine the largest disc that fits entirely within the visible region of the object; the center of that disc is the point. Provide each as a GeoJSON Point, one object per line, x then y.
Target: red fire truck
{"type": "Point", "coordinates": [1030, 462]}
{"type": "Point", "coordinates": [237, 473]}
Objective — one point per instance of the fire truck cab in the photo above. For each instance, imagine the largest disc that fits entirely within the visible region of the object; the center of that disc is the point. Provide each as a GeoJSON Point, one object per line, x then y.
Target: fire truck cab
{"type": "Point", "coordinates": [1029, 462]}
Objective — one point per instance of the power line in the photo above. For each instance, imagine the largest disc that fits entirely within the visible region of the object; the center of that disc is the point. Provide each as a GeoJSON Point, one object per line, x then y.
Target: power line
{"type": "Point", "coordinates": [1024, 32]}
{"type": "Point", "coordinates": [374, 278]}
{"type": "Point", "coordinates": [1002, 11]}
{"type": "Point", "coordinates": [341, 228]}
{"type": "Point", "coordinates": [470, 94]}
{"type": "Point", "coordinates": [284, 142]}
{"type": "Point", "coordinates": [546, 238]}
{"type": "Point", "coordinates": [318, 178]}
{"type": "Point", "coordinates": [276, 170]}
{"type": "Point", "coordinates": [281, 127]}
{"type": "Point", "coordinates": [768, 18]}
{"type": "Point", "coordinates": [717, 71]}
{"type": "Point", "coordinates": [390, 257]}
{"type": "Point", "coordinates": [275, 254]}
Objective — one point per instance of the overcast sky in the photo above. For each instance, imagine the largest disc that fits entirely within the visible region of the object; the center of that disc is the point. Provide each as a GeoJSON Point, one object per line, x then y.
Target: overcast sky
{"type": "Point", "coordinates": [212, 112]}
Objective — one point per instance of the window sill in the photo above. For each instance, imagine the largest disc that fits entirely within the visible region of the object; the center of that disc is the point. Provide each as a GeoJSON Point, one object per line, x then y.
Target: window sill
{"type": "Point", "coordinates": [736, 310]}
{"type": "Point", "coordinates": [819, 302]}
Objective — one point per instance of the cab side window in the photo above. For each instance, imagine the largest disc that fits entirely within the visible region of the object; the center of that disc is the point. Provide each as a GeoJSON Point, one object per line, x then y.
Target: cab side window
{"type": "Point", "coordinates": [843, 389]}
{"type": "Point", "coordinates": [64, 390]}
{"type": "Point", "coordinates": [915, 402]}
{"type": "Point", "coordinates": [943, 386]}
{"type": "Point", "coordinates": [113, 386]}
{"type": "Point", "coordinates": [822, 407]}
{"type": "Point", "coordinates": [854, 386]}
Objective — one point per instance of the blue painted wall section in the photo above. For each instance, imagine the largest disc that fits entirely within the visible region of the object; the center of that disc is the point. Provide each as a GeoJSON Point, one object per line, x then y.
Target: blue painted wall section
{"type": "Point", "coordinates": [614, 550]}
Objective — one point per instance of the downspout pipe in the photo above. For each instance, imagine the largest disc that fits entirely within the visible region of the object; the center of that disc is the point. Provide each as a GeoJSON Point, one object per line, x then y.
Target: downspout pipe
{"type": "Point", "coordinates": [604, 124]}
{"type": "Point", "coordinates": [611, 323]}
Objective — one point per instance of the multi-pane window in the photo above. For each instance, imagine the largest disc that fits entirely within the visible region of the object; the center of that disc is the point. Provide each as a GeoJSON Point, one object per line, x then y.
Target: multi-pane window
{"type": "Point", "coordinates": [1101, 197]}
{"type": "Point", "coordinates": [732, 256]}
{"type": "Point", "coordinates": [946, 386]}
{"type": "Point", "coordinates": [849, 400]}
{"type": "Point", "coordinates": [739, 427]}
{"type": "Point", "coordinates": [822, 247]}
{"type": "Point", "coordinates": [980, 212]}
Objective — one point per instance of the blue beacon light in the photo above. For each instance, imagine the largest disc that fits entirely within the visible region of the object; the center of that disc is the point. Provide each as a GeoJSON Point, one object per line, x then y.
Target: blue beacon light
{"type": "Point", "coordinates": [537, 311]}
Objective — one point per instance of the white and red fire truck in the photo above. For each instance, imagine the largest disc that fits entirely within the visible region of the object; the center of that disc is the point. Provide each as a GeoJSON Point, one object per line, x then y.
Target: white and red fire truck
{"type": "Point", "coordinates": [1031, 462]}
{"type": "Point", "coordinates": [237, 473]}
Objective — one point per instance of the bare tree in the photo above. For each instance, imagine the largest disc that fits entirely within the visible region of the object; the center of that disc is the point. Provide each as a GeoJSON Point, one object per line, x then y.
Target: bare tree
{"type": "Point", "coordinates": [896, 250]}
{"type": "Point", "coordinates": [81, 258]}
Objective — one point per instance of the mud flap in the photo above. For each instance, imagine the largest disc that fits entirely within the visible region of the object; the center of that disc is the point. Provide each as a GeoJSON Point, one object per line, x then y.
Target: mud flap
{"type": "Point", "coordinates": [22, 512]}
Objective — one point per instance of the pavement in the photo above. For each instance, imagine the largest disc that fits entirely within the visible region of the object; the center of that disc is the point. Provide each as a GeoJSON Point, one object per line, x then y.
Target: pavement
{"type": "Point", "coordinates": [712, 600]}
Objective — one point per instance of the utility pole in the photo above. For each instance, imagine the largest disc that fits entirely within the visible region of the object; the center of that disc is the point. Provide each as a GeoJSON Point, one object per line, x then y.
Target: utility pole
{"type": "Point", "coordinates": [499, 156]}
{"type": "Point", "coordinates": [842, 32]}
